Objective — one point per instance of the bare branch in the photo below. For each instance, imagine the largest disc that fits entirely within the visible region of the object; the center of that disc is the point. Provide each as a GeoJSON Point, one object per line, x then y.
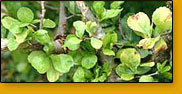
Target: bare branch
{"type": "Point", "coordinates": [51, 7]}
{"type": "Point", "coordinates": [42, 14]}
{"type": "Point", "coordinates": [89, 16]}
{"type": "Point", "coordinates": [62, 20]}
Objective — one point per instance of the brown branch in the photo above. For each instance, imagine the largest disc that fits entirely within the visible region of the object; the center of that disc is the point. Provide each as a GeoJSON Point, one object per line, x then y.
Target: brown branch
{"type": "Point", "coordinates": [89, 16]}
{"type": "Point", "coordinates": [42, 14]}
{"type": "Point", "coordinates": [62, 20]}
{"type": "Point", "coordinates": [60, 34]}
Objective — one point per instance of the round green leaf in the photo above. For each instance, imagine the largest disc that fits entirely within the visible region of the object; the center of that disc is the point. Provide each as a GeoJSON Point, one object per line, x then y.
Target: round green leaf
{"type": "Point", "coordinates": [62, 62]}
{"type": "Point", "coordinates": [40, 61]}
{"type": "Point", "coordinates": [89, 61]}
{"type": "Point", "coordinates": [42, 36]}
{"type": "Point", "coordinates": [72, 42]}
{"type": "Point", "coordinates": [162, 18]}
{"type": "Point", "coordinates": [52, 74]}
{"type": "Point", "coordinates": [79, 75]}
{"type": "Point", "coordinates": [12, 44]}
{"type": "Point", "coordinates": [108, 52]}
{"type": "Point", "coordinates": [146, 79]}
{"type": "Point", "coordinates": [131, 58]}
{"type": "Point", "coordinates": [96, 43]}
{"type": "Point", "coordinates": [25, 14]}
{"type": "Point", "coordinates": [9, 22]}
{"type": "Point", "coordinates": [140, 23]}
{"type": "Point", "coordinates": [91, 27]}
{"type": "Point", "coordinates": [47, 23]}
{"type": "Point", "coordinates": [80, 28]}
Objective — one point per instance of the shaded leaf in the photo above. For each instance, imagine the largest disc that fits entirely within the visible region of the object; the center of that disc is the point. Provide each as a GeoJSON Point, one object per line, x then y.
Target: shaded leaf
{"type": "Point", "coordinates": [124, 72]}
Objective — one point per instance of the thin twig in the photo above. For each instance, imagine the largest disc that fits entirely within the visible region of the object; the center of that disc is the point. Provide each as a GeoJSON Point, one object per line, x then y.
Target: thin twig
{"type": "Point", "coordinates": [70, 17]}
{"type": "Point", "coordinates": [152, 74]}
{"type": "Point", "coordinates": [120, 29]}
{"type": "Point", "coordinates": [51, 7]}
{"type": "Point", "coordinates": [42, 14]}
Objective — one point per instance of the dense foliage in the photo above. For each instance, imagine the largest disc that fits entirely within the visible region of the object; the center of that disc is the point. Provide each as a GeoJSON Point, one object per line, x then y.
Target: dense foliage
{"type": "Point", "coordinates": [101, 41]}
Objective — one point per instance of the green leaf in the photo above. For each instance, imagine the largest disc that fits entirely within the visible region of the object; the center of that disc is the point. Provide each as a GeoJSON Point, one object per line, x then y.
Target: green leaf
{"type": "Point", "coordinates": [160, 46]}
{"type": "Point", "coordinates": [162, 18]}
{"type": "Point", "coordinates": [20, 38]}
{"type": "Point", "coordinates": [116, 4]}
{"type": "Point", "coordinates": [72, 42]}
{"type": "Point", "coordinates": [131, 58]}
{"type": "Point", "coordinates": [12, 44]}
{"type": "Point", "coordinates": [62, 62]}
{"type": "Point", "coordinates": [77, 58]}
{"type": "Point", "coordinates": [119, 53]}
{"type": "Point", "coordinates": [47, 23]}
{"type": "Point", "coordinates": [108, 52]}
{"type": "Point", "coordinates": [144, 53]}
{"type": "Point", "coordinates": [99, 8]}
{"type": "Point", "coordinates": [42, 36]}
{"type": "Point", "coordinates": [148, 43]}
{"type": "Point", "coordinates": [110, 14]}
{"type": "Point", "coordinates": [106, 68]}
{"type": "Point", "coordinates": [52, 74]}
{"type": "Point", "coordinates": [3, 32]}
{"type": "Point", "coordinates": [148, 64]}
{"type": "Point", "coordinates": [48, 47]}
{"type": "Point", "coordinates": [124, 72]}
{"type": "Point", "coordinates": [165, 69]}
{"type": "Point", "coordinates": [72, 7]}
{"type": "Point", "coordinates": [79, 75]}
{"type": "Point", "coordinates": [96, 43]}
{"type": "Point", "coordinates": [89, 61]}
{"type": "Point", "coordinates": [40, 61]}
{"type": "Point", "coordinates": [25, 14]}
{"type": "Point", "coordinates": [91, 27]}
{"type": "Point", "coordinates": [129, 34]}
{"type": "Point", "coordinates": [35, 21]}
{"type": "Point", "coordinates": [80, 28]}
{"type": "Point", "coordinates": [10, 23]}
{"type": "Point", "coordinates": [142, 70]}
{"type": "Point", "coordinates": [140, 23]}
{"type": "Point", "coordinates": [146, 79]}
{"type": "Point", "coordinates": [109, 40]}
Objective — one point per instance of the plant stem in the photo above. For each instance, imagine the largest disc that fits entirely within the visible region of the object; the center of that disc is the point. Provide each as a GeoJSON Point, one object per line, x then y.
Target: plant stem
{"type": "Point", "coordinates": [42, 14]}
